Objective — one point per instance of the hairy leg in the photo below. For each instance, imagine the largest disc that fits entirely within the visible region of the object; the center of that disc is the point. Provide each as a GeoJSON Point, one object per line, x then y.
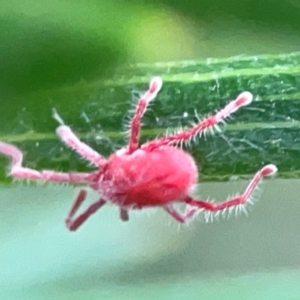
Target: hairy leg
{"type": "Point", "coordinates": [181, 217]}
{"type": "Point", "coordinates": [17, 171]}
{"type": "Point", "coordinates": [210, 122]}
{"type": "Point", "coordinates": [135, 124]}
{"type": "Point", "coordinates": [238, 201]}
{"type": "Point", "coordinates": [71, 140]}
{"type": "Point", "coordinates": [73, 222]}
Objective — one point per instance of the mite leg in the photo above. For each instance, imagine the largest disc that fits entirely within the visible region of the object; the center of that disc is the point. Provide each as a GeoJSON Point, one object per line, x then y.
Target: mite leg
{"type": "Point", "coordinates": [124, 214]}
{"type": "Point", "coordinates": [73, 222]}
{"type": "Point", "coordinates": [71, 140]}
{"type": "Point", "coordinates": [210, 122]}
{"type": "Point", "coordinates": [17, 171]}
{"type": "Point", "coordinates": [239, 201]}
{"type": "Point", "coordinates": [181, 217]}
{"type": "Point", "coordinates": [77, 203]}
{"type": "Point", "coordinates": [135, 123]}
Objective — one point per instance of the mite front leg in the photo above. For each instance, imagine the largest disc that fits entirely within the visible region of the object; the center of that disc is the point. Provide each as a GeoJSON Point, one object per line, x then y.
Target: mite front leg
{"type": "Point", "coordinates": [238, 202]}
{"type": "Point", "coordinates": [18, 171]}
{"type": "Point", "coordinates": [70, 139]}
{"type": "Point", "coordinates": [135, 123]}
{"type": "Point", "coordinates": [181, 217]}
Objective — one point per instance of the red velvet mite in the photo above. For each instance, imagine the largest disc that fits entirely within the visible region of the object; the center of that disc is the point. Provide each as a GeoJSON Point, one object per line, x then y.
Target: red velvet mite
{"type": "Point", "coordinates": [154, 174]}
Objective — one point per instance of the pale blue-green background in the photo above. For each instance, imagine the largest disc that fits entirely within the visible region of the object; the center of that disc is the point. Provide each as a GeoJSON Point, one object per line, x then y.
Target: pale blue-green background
{"type": "Point", "coordinates": [150, 257]}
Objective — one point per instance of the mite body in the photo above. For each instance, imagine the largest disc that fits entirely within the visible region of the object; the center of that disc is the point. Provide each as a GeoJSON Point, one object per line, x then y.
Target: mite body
{"type": "Point", "coordinates": [154, 174]}
{"type": "Point", "coordinates": [148, 177]}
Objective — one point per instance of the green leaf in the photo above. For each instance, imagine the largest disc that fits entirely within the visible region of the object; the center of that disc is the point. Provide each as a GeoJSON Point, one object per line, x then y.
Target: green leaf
{"type": "Point", "coordinates": [264, 132]}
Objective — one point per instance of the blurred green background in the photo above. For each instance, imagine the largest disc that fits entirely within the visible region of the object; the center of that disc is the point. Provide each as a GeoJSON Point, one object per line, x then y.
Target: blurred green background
{"type": "Point", "coordinates": [47, 45]}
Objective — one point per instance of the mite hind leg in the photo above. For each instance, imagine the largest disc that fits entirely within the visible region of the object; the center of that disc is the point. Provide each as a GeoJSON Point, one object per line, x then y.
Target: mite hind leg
{"type": "Point", "coordinates": [237, 202]}
{"type": "Point", "coordinates": [181, 217]}
{"type": "Point", "coordinates": [124, 216]}
{"type": "Point", "coordinates": [72, 222]}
